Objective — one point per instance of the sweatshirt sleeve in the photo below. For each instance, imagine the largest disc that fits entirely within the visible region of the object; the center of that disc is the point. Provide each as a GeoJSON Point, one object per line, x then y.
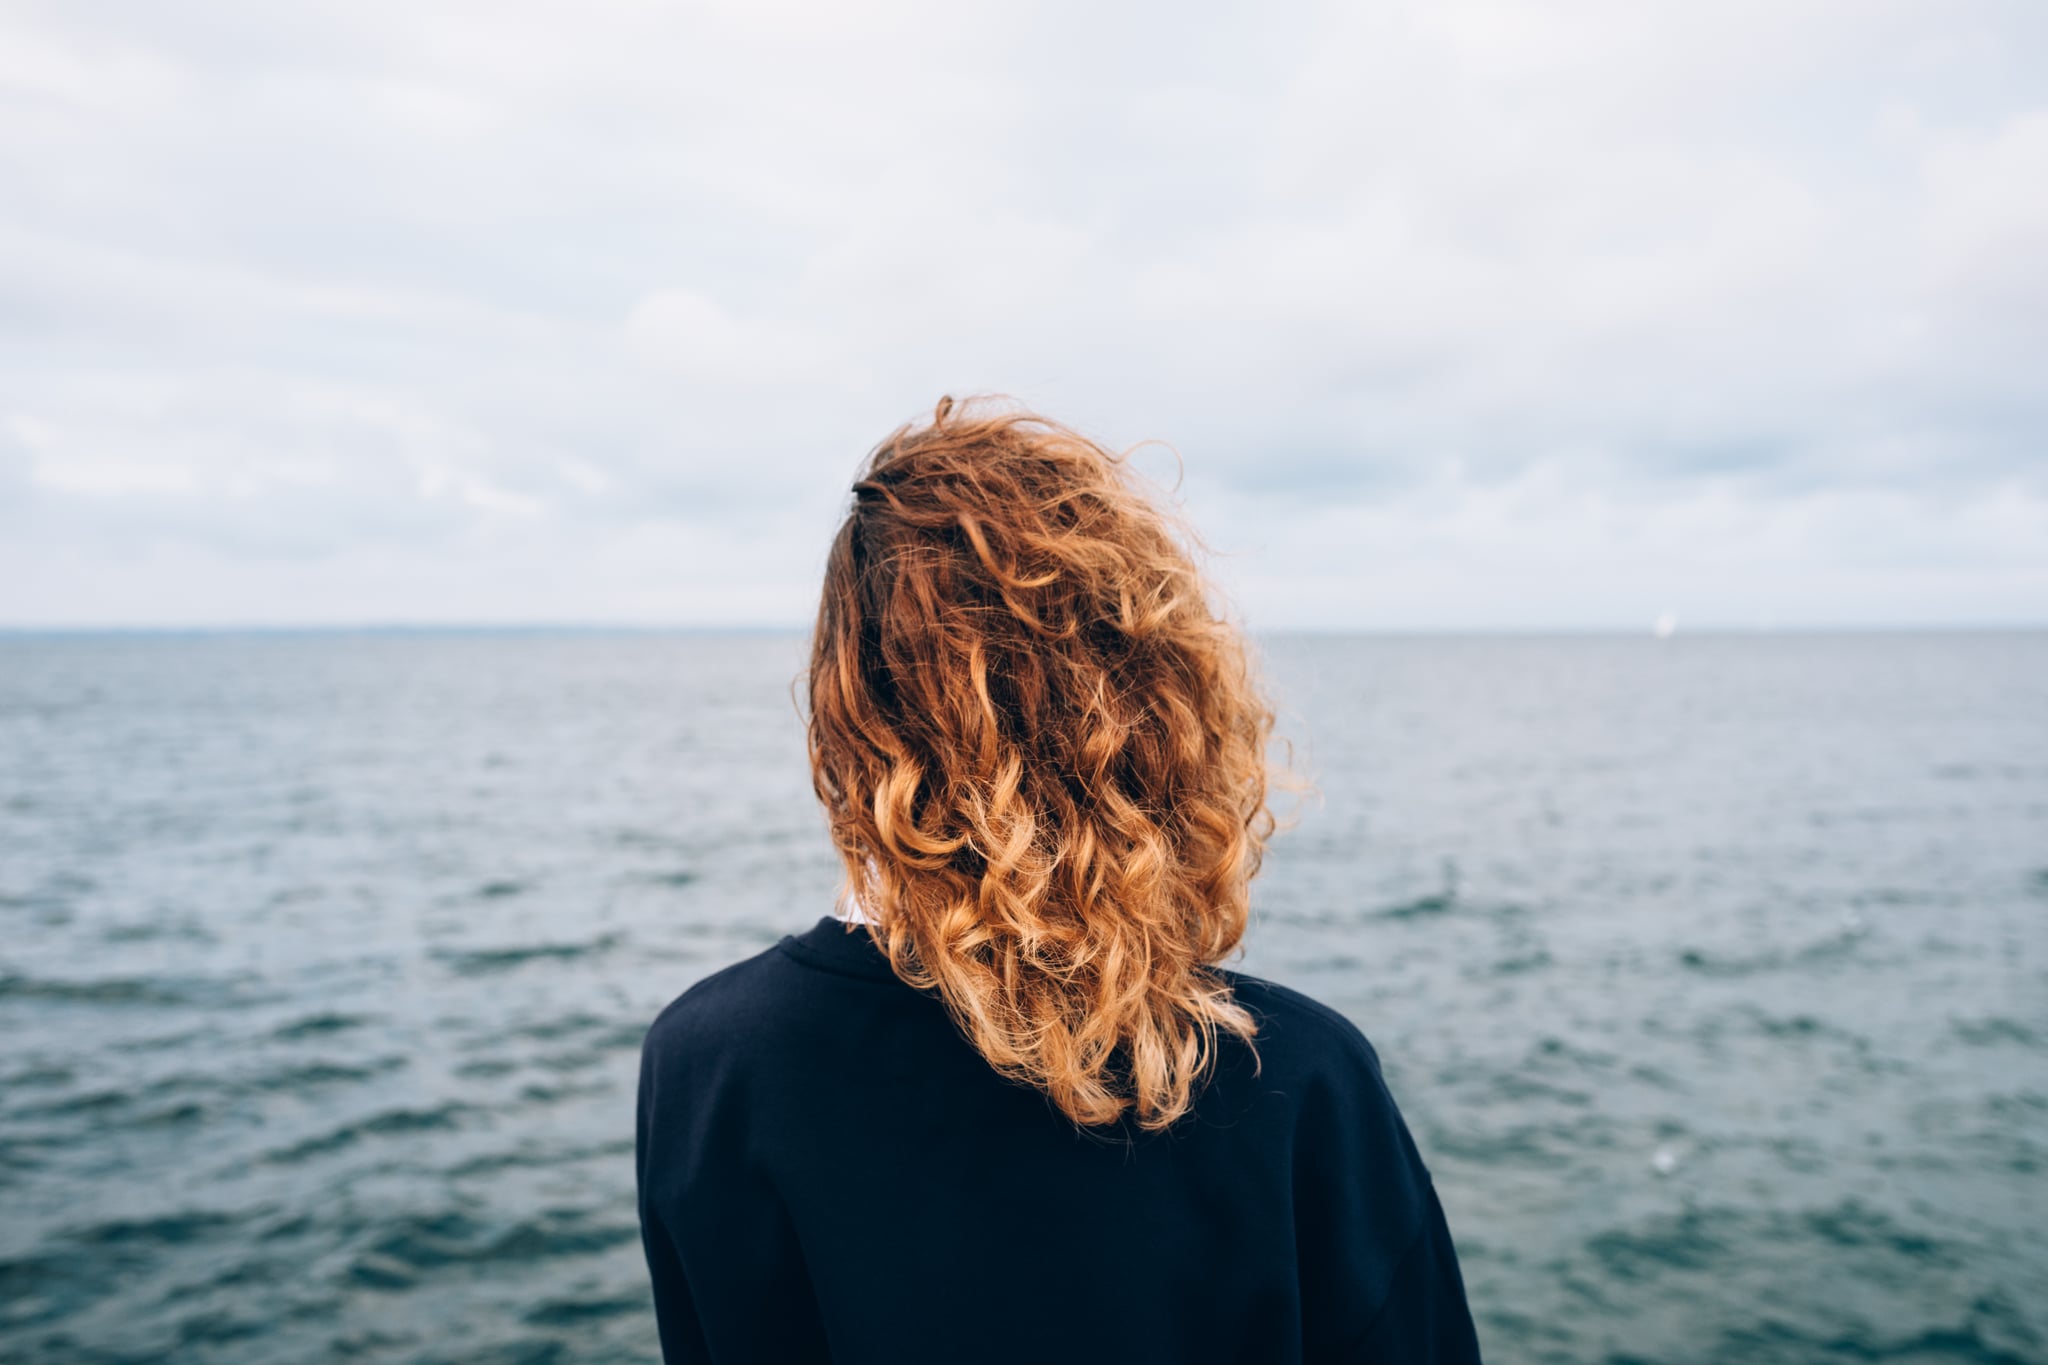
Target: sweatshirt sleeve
{"type": "Point", "coordinates": [675, 1311]}
{"type": "Point", "coordinates": [728, 1274]}
{"type": "Point", "coordinates": [1379, 1274]}
{"type": "Point", "coordinates": [1423, 1316]}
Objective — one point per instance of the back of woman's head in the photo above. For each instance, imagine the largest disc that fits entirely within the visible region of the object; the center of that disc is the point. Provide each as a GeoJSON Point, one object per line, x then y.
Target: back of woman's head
{"type": "Point", "coordinates": [1043, 757]}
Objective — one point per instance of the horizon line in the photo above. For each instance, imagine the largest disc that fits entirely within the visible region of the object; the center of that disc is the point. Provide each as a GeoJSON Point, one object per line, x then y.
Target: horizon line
{"type": "Point", "coordinates": [730, 628]}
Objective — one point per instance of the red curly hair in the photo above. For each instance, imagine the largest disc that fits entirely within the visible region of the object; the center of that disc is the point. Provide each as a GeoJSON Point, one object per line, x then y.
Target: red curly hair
{"type": "Point", "coordinates": [1043, 756]}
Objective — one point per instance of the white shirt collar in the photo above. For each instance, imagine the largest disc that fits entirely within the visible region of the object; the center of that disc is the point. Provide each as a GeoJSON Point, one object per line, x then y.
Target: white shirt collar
{"type": "Point", "coordinates": [850, 908]}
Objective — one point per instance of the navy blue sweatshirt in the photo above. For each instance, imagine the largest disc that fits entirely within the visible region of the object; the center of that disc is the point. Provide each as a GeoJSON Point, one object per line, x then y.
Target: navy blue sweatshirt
{"type": "Point", "coordinates": [829, 1171]}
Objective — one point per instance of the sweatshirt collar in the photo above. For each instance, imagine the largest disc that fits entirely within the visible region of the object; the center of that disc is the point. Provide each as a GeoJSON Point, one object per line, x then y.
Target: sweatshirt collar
{"type": "Point", "coordinates": [839, 945]}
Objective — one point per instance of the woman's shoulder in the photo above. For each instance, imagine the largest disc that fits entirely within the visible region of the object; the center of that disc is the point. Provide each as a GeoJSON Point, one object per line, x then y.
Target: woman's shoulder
{"type": "Point", "coordinates": [1319, 1062]}
{"type": "Point", "coordinates": [1379, 1271]}
{"type": "Point", "coordinates": [735, 1006]}
{"type": "Point", "coordinates": [786, 995]}
{"type": "Point", "coordinates": [1349, 1138]}
{"type": "Point", "coordinates": [1303, 1029]}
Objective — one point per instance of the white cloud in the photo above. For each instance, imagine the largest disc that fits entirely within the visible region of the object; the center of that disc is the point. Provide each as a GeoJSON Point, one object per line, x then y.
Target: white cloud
{"type": "Point", "coordinates": [685, 333]}
{"type": "Point", "coordinates": [1562, 293]}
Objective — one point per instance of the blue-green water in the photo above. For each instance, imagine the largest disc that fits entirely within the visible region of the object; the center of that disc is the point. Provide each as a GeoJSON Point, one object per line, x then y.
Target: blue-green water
{"type": "Point", "coordinates": [1712, 974]}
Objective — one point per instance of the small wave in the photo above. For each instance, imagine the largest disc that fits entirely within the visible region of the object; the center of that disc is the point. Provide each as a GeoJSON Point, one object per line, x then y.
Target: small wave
{"type": "Point", "coordinates": [1437, 903]}
{"type": "Point", "coordinates": [151, 931]}
{"type": "Point", "coordinates": [1535, 1145]}
{"type": "Point", "coordinates": [1522, 963]}
{"type": "Point", "coordinates": [158, 992]}
{"type": "Point", "coordinates": [167, 1103]}
{"type": "Point", "coordinates": [438, 1119]}
{"type": "Point", "coordinates": [1993, 1030]}
{"type": "Point", "coordinates": [1797, 1027]}
{"type": "Point", "coordinates": [392, 1122]}
{"type": "Point", "coordinates": [20, 1157]}
{"type": "Point", "coordinates": [106, 991]}
{"type": "Point", "coordinates": [564, 1026]}
{"type": "Point", "coordinates": [1657, 1077]}
{"type": "Point", "coordinates": [313, 1147]}
{"type": "Point", "coordinates": [219, 1329]}
{"type": "Point", "coordinates": [1513, 1089]}
{"type": "Point", "coordinates": [1852, 1224]}
{"type": "Point", "coordinates": [39, 1076]}
{"type": "Point", "coordinates": [1772, 1339]}
{"type": "Point", "coordinates": [178, 1229]}
{"type": "Point", "coordinates": [486, 1069]}
{"type": "Point", "coordinates": [556, 1094]}
{"type": "Point", "coordinates": [623, 1038]}
{"type": "Point", "coordinates": [93, 1102]}
{"type": "Point", "coordinates": [381, 1272]}
{"type": "Point", "coordinates": [178, 1041]}
{"type": "Point", "coordinates": [575, 1312]}
{"type": "Point", "coordinates": [2024, 1105]}
{"type": "Point", "coordinates": [1818, 953]}
{"type": "Point", "coordinates": [176, 1116]}
{"type": "Point", "coordinates": [1693, 1240]}
{"type": "Point", "coordinates": [426, 1242]}
{"type": "Point", "coordinates": [1792, 1026]}
{"type": "Point", "coordinates": [307, 1075]}
{"type": "Point", "coordinates": [494, 891]}
{"type": "Point", "coordinates": [484, 961]}
{"type": "Point", "coordinates": [629, 837]}
{"type": "Point", "coordinates": [1709, 964]}
{"type": "Point", "coordinates": [537, 1156]}
{"type": "Point", "coordinates": [1554, 1051]}
{"type": "Point", "coordinates": [318, 1026]}
{"type": "Point", "coordinates": [177, 1098]}
{"type": "Point", "coordinates": [491, 1163]}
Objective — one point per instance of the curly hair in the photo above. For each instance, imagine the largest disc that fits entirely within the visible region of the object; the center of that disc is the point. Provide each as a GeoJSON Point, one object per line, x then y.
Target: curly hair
{"type": "Point", "coordinates": [1043, 758]}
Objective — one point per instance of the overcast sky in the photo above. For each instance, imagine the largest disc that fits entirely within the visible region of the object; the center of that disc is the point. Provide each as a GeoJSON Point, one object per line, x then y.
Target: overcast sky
{"type": "Point", "coordinates": [1459, 315]}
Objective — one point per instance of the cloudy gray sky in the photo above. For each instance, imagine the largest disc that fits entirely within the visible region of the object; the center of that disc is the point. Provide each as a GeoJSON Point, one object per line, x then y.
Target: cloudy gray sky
{"type": "Point", "coordinates": [1458, 315]}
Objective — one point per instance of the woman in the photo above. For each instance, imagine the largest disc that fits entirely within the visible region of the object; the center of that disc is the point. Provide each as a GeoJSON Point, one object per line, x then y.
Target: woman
{"type": "Point", "coordinates": [1005, 1106]}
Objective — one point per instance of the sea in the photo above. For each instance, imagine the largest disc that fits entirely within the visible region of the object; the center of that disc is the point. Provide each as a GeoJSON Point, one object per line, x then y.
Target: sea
{"type": "Point", "coordinates": [1710, 972]}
